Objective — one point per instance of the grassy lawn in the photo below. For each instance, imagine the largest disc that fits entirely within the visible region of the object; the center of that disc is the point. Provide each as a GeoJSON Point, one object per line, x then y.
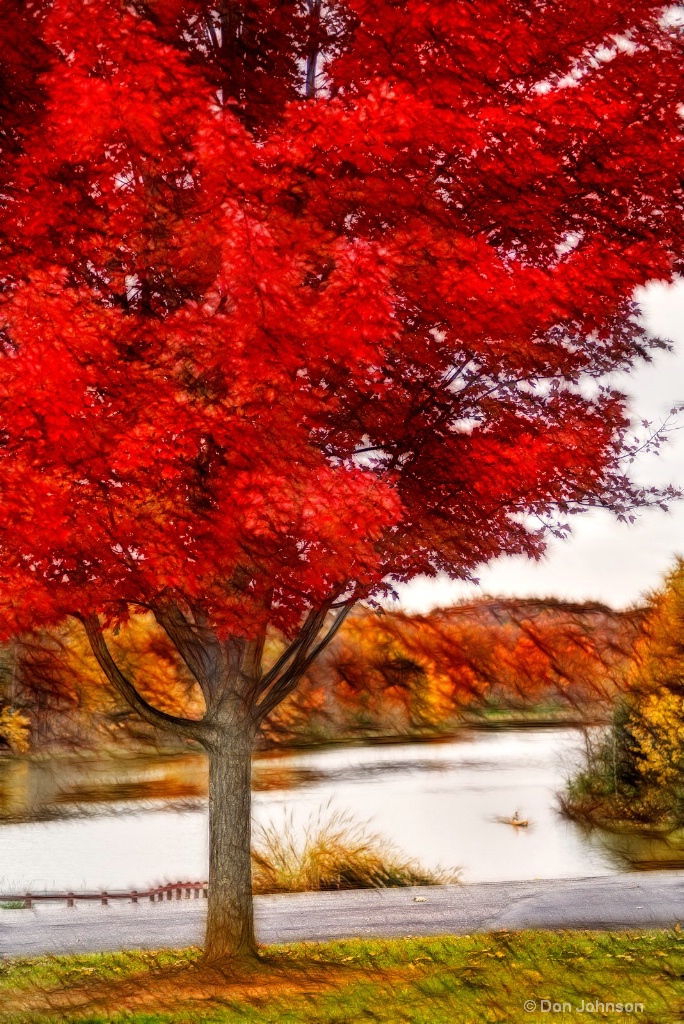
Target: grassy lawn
{"type": "Point", "coordinates": [446, 980]}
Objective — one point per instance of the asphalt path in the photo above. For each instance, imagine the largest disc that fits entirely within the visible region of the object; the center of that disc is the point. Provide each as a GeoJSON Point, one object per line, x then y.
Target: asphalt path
{"type": "Point", "coordinates": [654, 900]}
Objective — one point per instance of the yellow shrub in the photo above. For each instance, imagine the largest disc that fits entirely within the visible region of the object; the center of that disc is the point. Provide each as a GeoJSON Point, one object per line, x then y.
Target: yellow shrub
{"type": "Point", "coordinates": [658, 728]}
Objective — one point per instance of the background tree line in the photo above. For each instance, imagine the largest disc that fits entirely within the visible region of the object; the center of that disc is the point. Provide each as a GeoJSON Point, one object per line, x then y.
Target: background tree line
{"type": "Point", "coordinates": [385, 673]}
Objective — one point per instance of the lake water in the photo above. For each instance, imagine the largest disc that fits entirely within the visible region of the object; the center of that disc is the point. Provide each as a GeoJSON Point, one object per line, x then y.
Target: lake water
{"type": "Point", "coordinates": [437, 802]}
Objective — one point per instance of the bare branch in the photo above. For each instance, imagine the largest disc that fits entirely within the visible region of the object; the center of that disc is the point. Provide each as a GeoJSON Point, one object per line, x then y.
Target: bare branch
{"type": "Point", "coordinates": [254, 653]}
{"type": "Point", "coordinates": [305, 657]}
{"type": "Point", "coordinates": [308, 632]}
{"type": "Point", "coordinates": [197, 645]}
{"type": "Point", "coordinates": [313, 48]}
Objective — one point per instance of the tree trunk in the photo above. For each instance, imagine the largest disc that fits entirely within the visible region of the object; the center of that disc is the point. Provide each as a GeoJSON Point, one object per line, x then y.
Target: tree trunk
{"type": "Point", "coordinates": [230, 923]}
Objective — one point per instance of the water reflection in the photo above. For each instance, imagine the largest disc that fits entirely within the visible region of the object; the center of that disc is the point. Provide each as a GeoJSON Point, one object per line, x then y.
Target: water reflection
{"type": "Point", "coordinates": [644, 851]}
{"type": "Point", "coordinates": [139, 821]}
{"type": "Point", "coordinates": [43, 789]}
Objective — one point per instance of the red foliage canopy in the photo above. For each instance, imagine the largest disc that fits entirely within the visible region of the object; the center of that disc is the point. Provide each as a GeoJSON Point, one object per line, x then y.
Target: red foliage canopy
{"type": "Point", "coordinates": [298, 297]}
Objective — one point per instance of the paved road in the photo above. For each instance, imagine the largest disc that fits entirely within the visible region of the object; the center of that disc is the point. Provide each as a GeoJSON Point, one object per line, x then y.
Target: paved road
{"type": "Point", "coordinates": [617, 901]}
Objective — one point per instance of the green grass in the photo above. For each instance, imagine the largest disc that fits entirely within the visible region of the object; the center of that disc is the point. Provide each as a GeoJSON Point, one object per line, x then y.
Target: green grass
{"type": "Point", "coordinates": [448, 980]}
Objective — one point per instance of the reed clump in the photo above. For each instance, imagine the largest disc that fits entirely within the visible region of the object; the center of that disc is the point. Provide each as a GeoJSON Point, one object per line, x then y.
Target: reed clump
{"type": "Point", "coordinates": [333, 851]}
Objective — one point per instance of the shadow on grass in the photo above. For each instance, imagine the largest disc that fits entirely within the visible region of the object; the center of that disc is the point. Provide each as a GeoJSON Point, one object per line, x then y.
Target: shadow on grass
{"type": "Point", "coordinates": [178, 981]}
{"type": "Point", "coordinates": [492, 977]}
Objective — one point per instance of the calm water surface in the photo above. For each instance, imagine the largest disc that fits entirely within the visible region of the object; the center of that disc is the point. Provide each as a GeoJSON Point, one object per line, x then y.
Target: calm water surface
{"type": "Point", "coordinates": [437, 802]}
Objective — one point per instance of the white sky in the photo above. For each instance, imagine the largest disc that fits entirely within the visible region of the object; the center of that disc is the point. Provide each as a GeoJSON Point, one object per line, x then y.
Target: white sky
{"type": "Point", "coordinates": [603, 560]}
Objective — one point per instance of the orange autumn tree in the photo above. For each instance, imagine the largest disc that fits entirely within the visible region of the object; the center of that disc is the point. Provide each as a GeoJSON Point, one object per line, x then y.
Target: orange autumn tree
{"type": "Point", "coordinates": [553, 649]}
{"type": "Point", "coordinates": [298, 300]}
{"type": "Point", "coordinates": [390, 666]}
{"type": "Point", "coordinates": [423, 670]}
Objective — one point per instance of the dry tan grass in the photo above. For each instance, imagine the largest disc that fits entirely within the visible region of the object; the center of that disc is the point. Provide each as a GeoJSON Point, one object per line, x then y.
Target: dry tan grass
{"type": "Point", "coordinates": [335, 851]}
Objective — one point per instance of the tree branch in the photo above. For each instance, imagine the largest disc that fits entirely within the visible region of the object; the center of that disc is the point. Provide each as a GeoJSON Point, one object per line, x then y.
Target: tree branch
{"type": "Point", "coordinates": [185, 727]}
{"type": "Point", "coordinates": [308, 632]}
{"type": "Point", "coordinates": [313, 48]}
{"type": "Point", "coordinates": [287, 682]}
{"type": "Point", "coordinates": [253, 657]}
{"type": "Point", "coordinates": [197, 646]}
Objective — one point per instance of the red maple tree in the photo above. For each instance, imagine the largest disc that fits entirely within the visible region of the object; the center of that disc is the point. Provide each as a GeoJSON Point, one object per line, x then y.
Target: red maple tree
{"type": "Point", "coordinates": [303, 298]}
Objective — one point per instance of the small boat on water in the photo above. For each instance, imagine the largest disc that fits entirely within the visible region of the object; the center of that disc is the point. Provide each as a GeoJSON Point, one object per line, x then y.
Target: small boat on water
{"type": "Point", "coordinates": [516, 821]}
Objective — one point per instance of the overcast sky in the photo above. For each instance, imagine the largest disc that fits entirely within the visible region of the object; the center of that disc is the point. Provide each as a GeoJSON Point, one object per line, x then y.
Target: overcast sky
{"type": "Point", "coordinates": [603, 560]}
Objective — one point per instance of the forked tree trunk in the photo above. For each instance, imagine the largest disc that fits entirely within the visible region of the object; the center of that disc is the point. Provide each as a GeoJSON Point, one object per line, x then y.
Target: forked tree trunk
{"type": "Point", "coordinates": [232, 682]}
{"type": "Point", "coordinates": [230, 925]}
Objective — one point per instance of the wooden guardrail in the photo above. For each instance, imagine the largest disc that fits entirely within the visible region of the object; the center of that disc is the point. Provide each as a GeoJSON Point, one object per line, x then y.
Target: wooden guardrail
{"type": "Point", "coordinates": [178, 891]}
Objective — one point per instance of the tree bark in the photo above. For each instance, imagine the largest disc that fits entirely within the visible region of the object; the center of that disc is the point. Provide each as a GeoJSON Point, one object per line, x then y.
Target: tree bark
{"type": "Point", "coordinates": [230, 924]}
{"type": "Point", "coordinates": [238, 696]}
